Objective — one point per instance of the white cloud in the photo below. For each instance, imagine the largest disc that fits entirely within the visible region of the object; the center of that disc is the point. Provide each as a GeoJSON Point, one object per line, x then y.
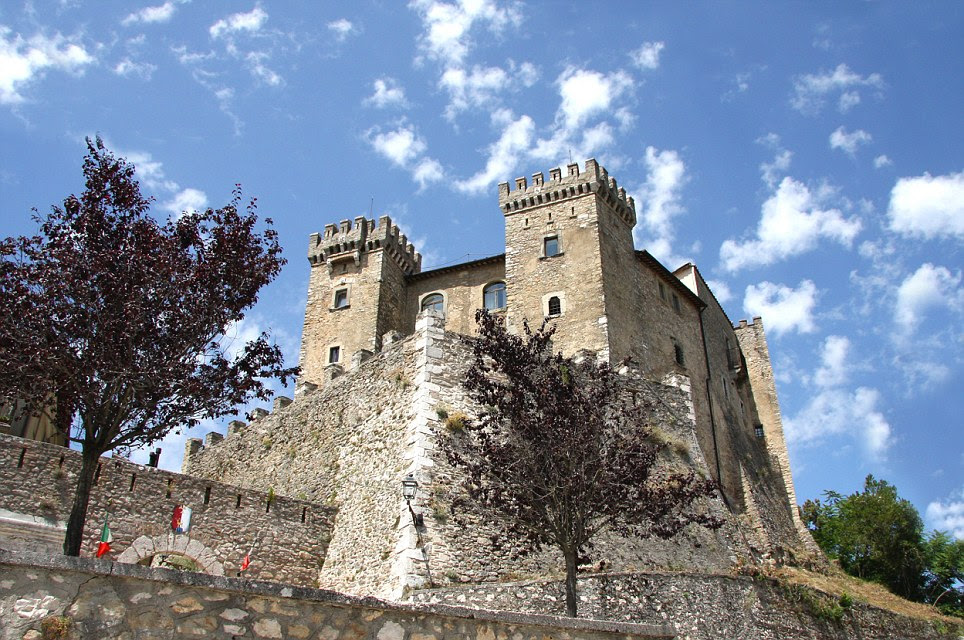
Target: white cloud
{"type": "Point", "coordinates": [848, 142]}
{"type": "Point", "coordinates": [186, 200]}
{"type": "Point", "coordinates": [647, 56]}
{"type": "Point", "coordinates": [128, 68]}
{"type": "Point", "coordinates": [22, 61]}
{"type": "Point", "coordinates": [260, 70]}
{"type": "Point", "coordinates": [848, 100]}
{"type": "Point", "coordinates": [882, 161]}
{"type": "Point", "coordinates": [149, 172]}
{"type": "Point", "coordinates": [948, 515]}
{"type": "Point", "coordinates": [237, 22]}
{"type": "Point", "coordinates": [772, 172]}
{"type": "Point", "coordinates": [791, 223]}
{"type": "Point", "coordinates": [342, 28]}
{"type": "Point", "coordinates": [833, 362]}
{"type": "Point", "coordinates": [471, 88]}
{"type": "Point", "coordinates": [504, 153]}
{"type": "Point", "coordinates": [811, 90]}
{"type": "Point", "coordinates": [447, 25]}
{"type": "Point", "coordinates": [783, 308]}
{"type": "Point", "coordinates": [150, 15]}
{"type": "Point", "coordinates": [586, 93]}
{"type": "Point", "coordinates": [401, 145]}
{"type": "Point", "coordinates": [665, 177]}
{"type": "Point", "coordinates": [427, 171]}
{"type": "Point", "coordinates": [387, 93]}
{"type": "Point", "coordinates": [928, 206]}
{"type": "Point", "coordinates": [926, 288]}
{"type": "Point", "coordinates": [839, 412]}
{"type": "Point", "coordinates": [721, 290]}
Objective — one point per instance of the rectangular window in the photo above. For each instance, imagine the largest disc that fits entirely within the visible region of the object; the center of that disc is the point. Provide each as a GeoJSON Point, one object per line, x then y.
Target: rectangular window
{"type": "Point", "coordinates": [676, 303]}
{"type": "Point", "coordinates": [662, 290]}
{"type": "Point", "coordinates": [758, 429]}
{"type": "Point", "coordinates": [333, 354]}
{"type": "Point", "coordinates": [341, 298]}
{"type": "Point", "coordinates": [551, 246]}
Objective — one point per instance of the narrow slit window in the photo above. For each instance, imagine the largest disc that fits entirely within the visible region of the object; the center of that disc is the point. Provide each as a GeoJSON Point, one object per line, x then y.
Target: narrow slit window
{"type": "Point", "coordinates": [23, 454]}
{"type": "Point", "coordinates": [207, 495]}
{"type": "Point", "coordinates": [133, 480]}
{"type": "Point", "coordinates": [170, 484]}
{"type": "Point", "coordinates": [237, 505]}
{"type": "Point", "coordinates": [304, 513]}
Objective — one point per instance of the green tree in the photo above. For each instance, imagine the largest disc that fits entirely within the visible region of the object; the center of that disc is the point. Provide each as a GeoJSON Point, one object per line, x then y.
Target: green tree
{"type": "Point", "coordinates": [562, 453]}
{"type": "Point", "coordinates": [944, 577]}
{"type": "Point", "coordinates": [874, 534]}
{"type": "Point", "coordinates": [118, 320]}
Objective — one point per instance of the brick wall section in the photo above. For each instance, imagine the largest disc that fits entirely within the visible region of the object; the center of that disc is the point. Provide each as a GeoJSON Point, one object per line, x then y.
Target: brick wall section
{"type": "Point", "coordinates": [100, 600]}
{"type": "Point", "coordinates": [700, 606]}
{"type": "Point", "coordinates": [38, 481]}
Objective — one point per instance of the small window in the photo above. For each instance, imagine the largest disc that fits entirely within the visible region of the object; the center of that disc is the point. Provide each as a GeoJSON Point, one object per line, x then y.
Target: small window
{"type": "Point", "coordinates": [662, 290]}
{"type": "Point", "coordinates": [676, 303]}
{"type": "Point", "coordinates": [493, 296]}
{"type": "Point", "coordinates": [341, 298]}
{"type": "Point", "coordinates": [551, 246]}
{"type": "Point", "coordinates": [433, 301]}
{"type": "Point", "coordinates": [334, 353]}
{"type": "Point", "coordinates": [758, 429]}
{"type": "Point", "coordinates": [678, 350]}
{"type": "Point", "coordinates": [555, 306]}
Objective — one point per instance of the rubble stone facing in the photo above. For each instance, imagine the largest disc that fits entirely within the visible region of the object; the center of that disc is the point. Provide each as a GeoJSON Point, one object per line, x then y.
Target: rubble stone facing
{"type": "Point", "coordinates": [700, 606]}
{"type": "Point", "coordinates": [103, 600]}
{"type": "Point", "coordinates": [289, 536]}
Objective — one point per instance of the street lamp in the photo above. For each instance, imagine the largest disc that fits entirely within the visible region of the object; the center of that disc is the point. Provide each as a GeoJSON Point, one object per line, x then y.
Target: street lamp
{"type": "Point", "coordinates": [409, 489]}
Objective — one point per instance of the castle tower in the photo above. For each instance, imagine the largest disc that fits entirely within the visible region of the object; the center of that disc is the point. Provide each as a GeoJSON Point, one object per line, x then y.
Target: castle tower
{"type": "Point", "coordinates": [568, 248]}
{"type": "Point", "coordinates": [355, 293]}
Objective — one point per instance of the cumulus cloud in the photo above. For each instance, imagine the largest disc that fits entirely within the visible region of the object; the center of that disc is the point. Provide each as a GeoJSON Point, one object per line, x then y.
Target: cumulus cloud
{"type": "Point", "coordinates": [665, 178]}
{"type": "Point", "coordinates": [841, 412]}
{"type": "Point", "coordinates": [400, 145]}
{"type": "Point", "coordinates": [948, 515]}
{"type": "Point", "coordinates": [773, 171]}
{"type": "Point", "coordinates": [427, 171]}
{"type": "Point", "coordinates": [150, 15]}
{"type": "Point", "coordinates": [341, 29]}
{"type": "Point", "coordinates": [647, 56]}
{"type": "Point", "coordinates": [882, 161]}
{"type": "Point", "coordinates": [387, 93]}
{"type": "Point", "coordinates": [785, 309]}
{"type": "Point", "coordinates": [186, 200]}
{"type": "Point", "coordinates": [848, 142]}
{"type": "Point", "coordinates": [791, 223]}
{"type": "Point", "coordinates": [504, 154]}
{"type": "Point", "coordinates": [129, 68]}
{"type": "Point", "coordinates": [833, 362]}
{"type": "Point", "coordinates": [447, 26]}
{"type": "Point", "coordinates": [25, 60]}
{"type": "Point", "coordinates": [848, 100]}
{"type": "Point", "coordinates": [928, 206]}
{"type": "Point", "coordinates": [586, 93]}
{"type": "Point", "coordinates": [811, 90]}
{"type": "Point", "coordinates": [721, 290]}
{"type": "Point", "coordinates": [928, 287]}
{"type": "Point", "coordinates": [251, 21]}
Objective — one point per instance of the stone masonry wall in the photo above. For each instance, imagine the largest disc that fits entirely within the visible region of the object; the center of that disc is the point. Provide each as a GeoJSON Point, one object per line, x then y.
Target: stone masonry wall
{"type": "Point", "coordinates": [288, 536]}
{"type": "Point", "coordinates": [462, 287]}
{"type": "Point", "coordinates": [95, 600]}
{"type": "Point", "coordinates": [700, 607]}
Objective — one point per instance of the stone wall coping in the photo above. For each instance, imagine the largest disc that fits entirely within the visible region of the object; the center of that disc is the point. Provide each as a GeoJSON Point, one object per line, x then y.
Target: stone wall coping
{"type": "Point", "coordinates": [278, 590]}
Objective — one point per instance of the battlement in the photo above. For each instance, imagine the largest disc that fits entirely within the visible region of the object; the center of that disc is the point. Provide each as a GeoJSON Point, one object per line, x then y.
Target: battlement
{"type": "Point", "coordinates": [348, 241]}
{"type": "Point", "coordinates": [595, 179]}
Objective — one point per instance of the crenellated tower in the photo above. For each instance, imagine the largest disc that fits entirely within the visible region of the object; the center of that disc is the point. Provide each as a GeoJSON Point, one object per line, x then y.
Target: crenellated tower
{"type": "Point", "coordinates": [568, 245]}
{"type": "Point", "coordinates": [355, 293]}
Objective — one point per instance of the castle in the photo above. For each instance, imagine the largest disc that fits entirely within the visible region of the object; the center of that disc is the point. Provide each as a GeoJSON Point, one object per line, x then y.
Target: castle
{"type": "Point", "coordinates": [312, 489]}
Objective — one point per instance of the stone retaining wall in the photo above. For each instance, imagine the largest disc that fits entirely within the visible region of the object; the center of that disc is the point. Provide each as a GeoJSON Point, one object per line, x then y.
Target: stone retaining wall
{"type": "Point", "coordinates": [289, 537]}
{"type": "Point", "coordinates": [102, 600]}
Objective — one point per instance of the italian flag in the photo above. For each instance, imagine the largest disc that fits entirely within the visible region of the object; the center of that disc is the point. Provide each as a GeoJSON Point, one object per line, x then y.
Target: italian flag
{"type": "Point", "coordinates": [105, 539]}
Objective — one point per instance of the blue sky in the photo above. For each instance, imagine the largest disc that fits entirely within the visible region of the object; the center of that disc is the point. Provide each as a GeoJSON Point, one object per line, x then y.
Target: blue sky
{"type": "Point", "coordinates": [806, 156]}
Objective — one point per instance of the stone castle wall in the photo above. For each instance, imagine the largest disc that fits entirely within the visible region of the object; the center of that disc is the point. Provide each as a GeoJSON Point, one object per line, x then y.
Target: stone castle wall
{"type": "Point", "coordinates": [349, 444]}
{"type": "Point", "coordinates": [96, 600]}
{"type": "Point", "coordinates": [288, 536]}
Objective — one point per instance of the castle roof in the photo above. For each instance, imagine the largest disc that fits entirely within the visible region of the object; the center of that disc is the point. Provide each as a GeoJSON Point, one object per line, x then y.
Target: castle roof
{"type": "Point", "coordinates": [647, 258]}
{"type": "Point", "coordinates": [455, 267]}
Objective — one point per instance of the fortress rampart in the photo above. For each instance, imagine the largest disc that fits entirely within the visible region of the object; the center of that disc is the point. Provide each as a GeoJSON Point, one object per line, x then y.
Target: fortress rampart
{"type": "Point", "coordinates": [288, 537]}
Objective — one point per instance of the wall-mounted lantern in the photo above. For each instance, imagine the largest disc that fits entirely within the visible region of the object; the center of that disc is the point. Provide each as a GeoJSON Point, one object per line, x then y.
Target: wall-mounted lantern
{"type": "Point", "coordinates": [409, 489]}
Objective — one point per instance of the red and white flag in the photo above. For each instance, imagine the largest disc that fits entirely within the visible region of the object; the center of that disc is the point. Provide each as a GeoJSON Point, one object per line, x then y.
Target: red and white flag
{"type": "Point", "coordinates": [181, 520]}
{"type": "Point", "coordinates": [246, 561]}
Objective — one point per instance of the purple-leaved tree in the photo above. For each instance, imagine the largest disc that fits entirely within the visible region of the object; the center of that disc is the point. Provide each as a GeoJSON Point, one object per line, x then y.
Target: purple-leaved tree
{"type": "Point", "coordinates": [117, 321]}
{"type": "Point", "coordinates": [561, 452]}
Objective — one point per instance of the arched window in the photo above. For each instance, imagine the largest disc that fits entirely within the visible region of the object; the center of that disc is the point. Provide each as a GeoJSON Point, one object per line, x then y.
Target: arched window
{"type": "Point", "coordinates": [433, 301]}
{"type": "Point", "coordinates": [555, 306]}
{"type": "Point", "coordinates": [493, 296]}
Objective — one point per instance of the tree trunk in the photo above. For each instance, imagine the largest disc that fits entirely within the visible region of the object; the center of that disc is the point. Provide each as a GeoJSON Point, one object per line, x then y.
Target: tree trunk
{"type": "Point", "coordinates": [78, 512]}
{"type": "Point", "coordinates": [570, 582]}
